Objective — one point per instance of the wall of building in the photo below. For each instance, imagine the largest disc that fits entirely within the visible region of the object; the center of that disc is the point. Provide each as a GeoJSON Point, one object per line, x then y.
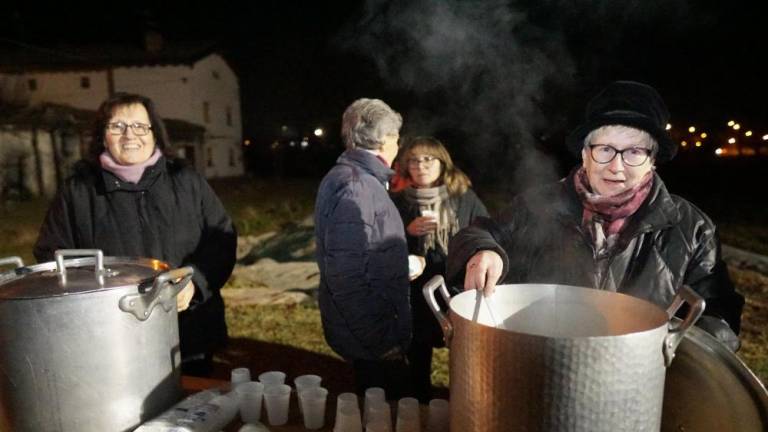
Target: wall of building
{"type": "Point", "coordinates": [84, 90]}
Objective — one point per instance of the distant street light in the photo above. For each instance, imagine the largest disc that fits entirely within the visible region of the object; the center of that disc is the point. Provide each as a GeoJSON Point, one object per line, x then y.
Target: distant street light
{"type": "Point", "coordinates": [765, 137]}
{"type": "Point", "coordinates": [319, 132]}
{"type": "Point", "coordinates": [683, 143]}
{"type": "Point", "coordinates": [692, 129]}
{"type": "Point", "coordinates": [731, 123]}
{"type": "Point", "coordinates": [669, 126]}
{"type": "Point", "coordinates": [748, 133]}
{"type": "Point", "coordinates": [718, 151]}
{"type": "Point", "coordinates": [731, 140]}
{"type": "Point", "coordinates": [698, 143]}
{"type": "Point", "coordinates": [736, 126]}
{"type": "Point", "coordinates": [703, 135]}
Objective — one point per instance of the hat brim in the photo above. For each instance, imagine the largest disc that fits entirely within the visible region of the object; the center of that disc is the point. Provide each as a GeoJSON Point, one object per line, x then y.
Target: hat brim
{"type": "Point", "coordinates": [667, 148]}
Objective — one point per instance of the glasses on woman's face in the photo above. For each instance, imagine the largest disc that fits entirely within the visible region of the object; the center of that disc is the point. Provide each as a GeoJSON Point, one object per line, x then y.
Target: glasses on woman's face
{"type": "Point", "coordinates": [119, 128]}
{"type": "Point", "coordinates": [427, 161]}
{"type": "Point", "coordinates": [632, 156]}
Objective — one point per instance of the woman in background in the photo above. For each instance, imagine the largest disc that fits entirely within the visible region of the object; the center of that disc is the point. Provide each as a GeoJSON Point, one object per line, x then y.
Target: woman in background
{"type": "Point", "coordinates": [436, 203]}
{"type": "Point", "coordinates": [128, 199]}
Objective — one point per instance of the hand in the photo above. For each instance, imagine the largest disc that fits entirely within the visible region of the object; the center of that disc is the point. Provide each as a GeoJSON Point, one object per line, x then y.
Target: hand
{"type": "Point", "coordinates": [422, 225]}
{"type": "Point", "coordinates": [185, 297]}
{"type": "Point", "coordinates": [483, 271]}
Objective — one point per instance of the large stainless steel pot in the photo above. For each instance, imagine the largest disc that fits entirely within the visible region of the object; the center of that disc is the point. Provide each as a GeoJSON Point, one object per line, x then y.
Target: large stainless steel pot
{"type": "Point", "coordinates": [542, 357]}
{"type": "Point", "coordinates": [83, 345]}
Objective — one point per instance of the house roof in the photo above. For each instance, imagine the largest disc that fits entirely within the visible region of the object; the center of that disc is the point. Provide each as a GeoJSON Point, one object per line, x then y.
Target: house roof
{"type": "Point", "coordinates": [18, 57]}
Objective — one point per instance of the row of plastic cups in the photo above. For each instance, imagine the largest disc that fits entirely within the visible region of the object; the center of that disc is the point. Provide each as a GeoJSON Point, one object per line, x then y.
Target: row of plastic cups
{"type": "Point", "coordinates": [276, 395]}
{"type": "Point", "coordinates": [377, 415]}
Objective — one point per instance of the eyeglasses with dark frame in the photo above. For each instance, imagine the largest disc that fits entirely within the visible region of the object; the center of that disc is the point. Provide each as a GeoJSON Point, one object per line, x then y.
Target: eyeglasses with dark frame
{"type": "Point", "coordinates": [632, 156]}
{"type": "Point", "coordinates": [426, 160]}
{"type": "Point", "coordinates": [119, 128]}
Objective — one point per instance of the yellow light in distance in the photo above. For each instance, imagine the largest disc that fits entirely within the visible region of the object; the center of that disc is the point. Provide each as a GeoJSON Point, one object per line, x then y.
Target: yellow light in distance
{"type": "Point", "coordinates": [736, 126]}
{"type": "Point", "coordinates": [703, 135]}
{"type": "Point", "coordinates": [731, 123]}
{"type": "Point", "coordinates": [748, 133]}
{"type": "Point", "coordinates": [731, 140]}
{"type": "Point", "coordinates": [692, 129]}
{"type": "Point", "coordinates": [698, 143]}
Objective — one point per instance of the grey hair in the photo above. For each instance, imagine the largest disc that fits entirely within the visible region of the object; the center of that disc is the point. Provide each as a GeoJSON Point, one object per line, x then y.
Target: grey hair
{"type": "Point", "coordinates": [366, 122]}
{"type": "Point", "coordinates": [642, 136]}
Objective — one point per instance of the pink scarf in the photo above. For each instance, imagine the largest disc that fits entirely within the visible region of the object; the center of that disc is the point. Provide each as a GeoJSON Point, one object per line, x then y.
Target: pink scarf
{"type": "Point", "coordinates": [605, 216]}
{"type": "Point", "coordinates": [128, 173]}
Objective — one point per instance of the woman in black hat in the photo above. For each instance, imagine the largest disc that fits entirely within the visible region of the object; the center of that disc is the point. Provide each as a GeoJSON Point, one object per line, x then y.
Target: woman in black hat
{"type": "Point", "coordinates": [610, 224]}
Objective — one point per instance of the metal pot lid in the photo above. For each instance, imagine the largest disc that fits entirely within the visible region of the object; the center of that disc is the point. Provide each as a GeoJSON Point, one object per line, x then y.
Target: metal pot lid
{"type": "Point", "coordinates": [709, 389]}
{"type": "Point", "coordinates": [80, 276]}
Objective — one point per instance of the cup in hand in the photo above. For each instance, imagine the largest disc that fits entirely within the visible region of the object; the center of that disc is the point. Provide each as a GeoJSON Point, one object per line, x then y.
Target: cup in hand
{"type": "Point", "coordinates": [277, 398]}
{"type": "Point", "coordinates": [249, 395]}
{"type": "Point", "coordinates": [313, 402]}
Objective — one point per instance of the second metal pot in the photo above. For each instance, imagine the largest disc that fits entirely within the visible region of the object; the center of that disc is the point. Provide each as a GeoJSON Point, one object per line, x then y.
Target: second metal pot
{"type": "Point", "coordinates": [563, 358]}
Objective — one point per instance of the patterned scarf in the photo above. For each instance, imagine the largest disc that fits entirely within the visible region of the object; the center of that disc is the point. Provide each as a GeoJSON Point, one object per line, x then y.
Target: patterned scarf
{"type": "Point", "coordinates": [434, 199]}
{"type": "Point", "coordinates": [128, 173]}
{"type": "Point", "coordinates": [605, 216]}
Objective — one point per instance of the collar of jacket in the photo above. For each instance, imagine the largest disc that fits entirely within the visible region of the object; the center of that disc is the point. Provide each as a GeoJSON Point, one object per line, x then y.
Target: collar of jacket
{"type": "Point", "coordinates": [368, 162]}
{"type": "Point", "coordinates": [113, 183]}
{"type": "Point", "coordinates": [657, 212]}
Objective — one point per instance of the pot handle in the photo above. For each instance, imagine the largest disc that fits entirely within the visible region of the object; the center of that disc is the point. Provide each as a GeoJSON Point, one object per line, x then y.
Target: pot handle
{"type": "Point", "coordinates": [429, 294]}
{"type": "Point", "coordinates": [61, 268]}
{"type": "Point", "coordinates": [16, 261]}
{"type": "Point", "coordinates": [677, 331]}
{"type": "Point", "coordinates": [163, 292]}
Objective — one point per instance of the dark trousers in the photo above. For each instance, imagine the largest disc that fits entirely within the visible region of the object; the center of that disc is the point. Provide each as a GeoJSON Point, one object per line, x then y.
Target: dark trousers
{"type": "Point", "coordinates": [391, 375]}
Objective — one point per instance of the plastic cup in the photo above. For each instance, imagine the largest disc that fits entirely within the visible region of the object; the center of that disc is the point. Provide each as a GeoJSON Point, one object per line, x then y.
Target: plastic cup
{"type": "Point", "coordinates": [303, 382]}
{"type": "Point", "coordinates": [348, 419]}
{"type": "Point", "coordinates": [277, 398]}
{"type": "Point", "coordinates": [373, 394]}
{"type": "Point", "coordinates": [378, 426]}
{"type": "Point", "coordinates": [380, 412]}
{"type": "Point", "coordinates": [249, 395]}
{"type": "Point", "coordinates": [439, 417]}
{"type": "Point", "coordinates": [346, 400]}
{"type": "Point", "coordinates": [408, 415]}
{"type": "Point", "coordinates": [239, 376]}
{"type": "Point", "coordinates": [313, 400]}
{"type": "Point", "coordinates": [272, 378]}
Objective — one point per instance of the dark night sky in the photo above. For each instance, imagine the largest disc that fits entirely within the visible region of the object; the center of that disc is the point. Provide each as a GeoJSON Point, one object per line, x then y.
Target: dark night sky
{"type": "Point", "coordinates": [513, 70]}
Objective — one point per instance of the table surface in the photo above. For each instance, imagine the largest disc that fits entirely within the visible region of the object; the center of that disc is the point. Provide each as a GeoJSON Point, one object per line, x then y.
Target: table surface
{"type": "Point", "coordinates": [295, 422]}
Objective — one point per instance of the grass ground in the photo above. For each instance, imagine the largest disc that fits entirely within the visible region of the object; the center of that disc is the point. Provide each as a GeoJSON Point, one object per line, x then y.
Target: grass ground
{"type": "Point", "coordinates": [290, 337]}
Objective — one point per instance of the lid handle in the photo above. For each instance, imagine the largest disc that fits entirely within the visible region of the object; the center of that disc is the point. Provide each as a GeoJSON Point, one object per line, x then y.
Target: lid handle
{"type": "Point", "coordinates": [163, 292]}
{"type": "Point", "coordinates": [16, 261]}
{"type": "Point", "coordinates": [62, 269]}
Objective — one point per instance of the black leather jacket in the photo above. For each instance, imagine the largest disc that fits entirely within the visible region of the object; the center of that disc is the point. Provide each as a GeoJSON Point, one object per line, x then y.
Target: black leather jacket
{"type": "Point", "coordinates": [667, 243]}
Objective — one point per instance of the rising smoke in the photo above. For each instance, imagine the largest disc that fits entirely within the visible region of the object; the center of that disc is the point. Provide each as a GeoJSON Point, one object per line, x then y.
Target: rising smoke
{"type": "Point", "coordinates": [476, 68]}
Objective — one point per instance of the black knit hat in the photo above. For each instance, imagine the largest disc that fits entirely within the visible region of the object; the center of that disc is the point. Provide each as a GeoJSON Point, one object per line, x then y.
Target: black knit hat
{"type": "Point", "coordinates": [627, 103]}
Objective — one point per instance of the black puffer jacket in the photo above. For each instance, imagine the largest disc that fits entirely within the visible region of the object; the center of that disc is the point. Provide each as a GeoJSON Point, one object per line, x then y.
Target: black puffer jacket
{"type": "Point", "coordinates": [363, 260]}
{"type": "Point", "coordinates": [667, 243]}
{"type": "Point", "coordinates": [172, 214]}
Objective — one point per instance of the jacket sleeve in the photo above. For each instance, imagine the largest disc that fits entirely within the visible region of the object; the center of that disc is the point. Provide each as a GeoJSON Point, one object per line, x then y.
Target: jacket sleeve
{"type": "Point", "coordinates": [366, 310]}
{"type": "Point", "coordinates": [56, 232]}
{"type": "Point", "coordinates": [708, 275]}
{"type": "Point", "coordinates": [215, 255]}
{"type": "Point", "coordinates": [482, 234]}
{"type": "Point", "coordinates": [477, 208]}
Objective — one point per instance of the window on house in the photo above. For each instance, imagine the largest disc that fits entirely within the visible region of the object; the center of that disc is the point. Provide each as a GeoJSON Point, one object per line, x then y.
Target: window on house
{"type": "Point", "coordinates": [215, 74]}
{"type": "Point", "coordinates": [206, 112]}
{"type": "Point", "coordinates": [209, 157]}
{"type": "Point", "coordinates": [32, 84]}
{"type": "Point", "coordinates": [229, 116]}
{"type": "Point", "coordinates": [85, 82]}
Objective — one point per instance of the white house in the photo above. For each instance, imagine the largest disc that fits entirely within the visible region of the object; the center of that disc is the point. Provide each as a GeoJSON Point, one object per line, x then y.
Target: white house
{"type": "Point", "coordinates": [194, 88]}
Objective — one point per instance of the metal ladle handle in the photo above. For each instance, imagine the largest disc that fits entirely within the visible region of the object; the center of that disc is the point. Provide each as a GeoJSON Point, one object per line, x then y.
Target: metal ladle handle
{"type": "Point", "coordinates": [163, 292]}
{"type": "Point", "coordinates": [677, 331]}
{"type": "Point", "coordinates": [429, 294]}
{"type": "Point", "coordinates": [16, 261]}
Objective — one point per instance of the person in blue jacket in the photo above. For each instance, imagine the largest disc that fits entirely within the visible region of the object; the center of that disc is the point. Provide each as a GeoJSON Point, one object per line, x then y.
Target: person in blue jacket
{"type": "Point", "coordinates": [362, 252]}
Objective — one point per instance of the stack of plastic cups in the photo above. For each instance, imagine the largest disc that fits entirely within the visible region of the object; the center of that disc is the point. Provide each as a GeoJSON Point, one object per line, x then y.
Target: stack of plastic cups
{"type": "Point", "coordinates": [313, 400]}
{"type": "Point", "coordinates": [277, 399]}
{"type": "Point", "coordinates": [250, 394]}
{"type": "Point", "coordinates": [380, 412]}
{"type": "Point", "coordinates": [239, 376]}
{"type": "Point", "coordinates": [305, 382]}
{"type": "Point", "coordinates": [348, 402]}
{"type": "Point", "coordinates": [373, 394]}
{"type": "Point", "coordinates": [439, 416]}
{"type": "Point", "coordinates": [408, 415]}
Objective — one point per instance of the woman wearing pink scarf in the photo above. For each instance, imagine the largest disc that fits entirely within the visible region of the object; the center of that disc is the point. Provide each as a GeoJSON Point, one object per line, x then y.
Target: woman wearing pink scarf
{"type": "Point", "coordinates": [129, 199]}
{"type": "Point", "coordinates": [610, 224]}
